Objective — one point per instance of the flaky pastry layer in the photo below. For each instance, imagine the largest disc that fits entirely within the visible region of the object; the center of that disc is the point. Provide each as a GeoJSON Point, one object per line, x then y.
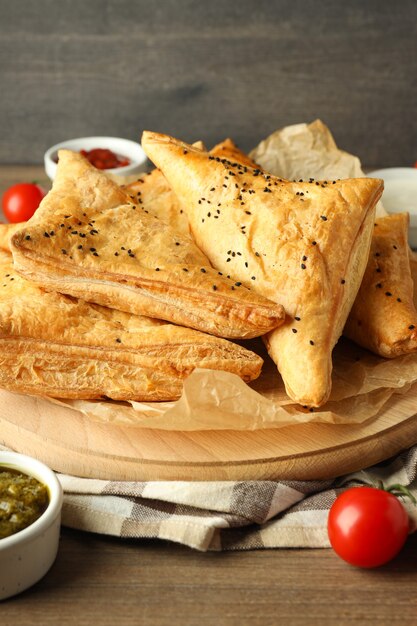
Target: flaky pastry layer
{"type": "Point", "coordinates": [303, 244]}
{"type": "Point", "coordinates": [383, 317]}
{"type": "Point", "coordinates": [55, 345]}
{"type": "Point", "coordinates": [90, 241]}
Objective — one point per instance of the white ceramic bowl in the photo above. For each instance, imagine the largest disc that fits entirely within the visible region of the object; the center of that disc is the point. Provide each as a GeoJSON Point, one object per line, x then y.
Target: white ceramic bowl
{"type": "Point", "coordinates": [123, 147]}
{"type": "Point", "coordinates": [26, 556]}
{"type": "Point", "coordinates": [400, 194]}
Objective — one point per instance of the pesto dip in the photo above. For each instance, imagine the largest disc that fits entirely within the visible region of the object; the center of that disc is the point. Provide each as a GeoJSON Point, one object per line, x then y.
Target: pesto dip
{"type": "Point", "coordinates": [22, 500]}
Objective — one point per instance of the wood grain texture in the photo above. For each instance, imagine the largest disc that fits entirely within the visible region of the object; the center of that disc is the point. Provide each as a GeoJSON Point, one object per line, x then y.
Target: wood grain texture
{"type": "Point", "coordinates": [206, 70]}
{"type": "Point", "coordinates": [69, 442]}
{"type": "Point", "coordinates": [107, 581]}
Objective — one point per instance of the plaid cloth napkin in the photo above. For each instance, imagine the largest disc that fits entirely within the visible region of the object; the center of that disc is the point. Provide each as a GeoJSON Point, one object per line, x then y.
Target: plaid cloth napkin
{"type": "Point", "coordinates": [225, 515]}
{"type": "Point", "coordinates": [222, 515]}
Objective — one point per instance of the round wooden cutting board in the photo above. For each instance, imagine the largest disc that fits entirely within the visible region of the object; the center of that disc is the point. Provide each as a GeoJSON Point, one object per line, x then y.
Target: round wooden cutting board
{"type": "Point", "coordinates": [69, 442]}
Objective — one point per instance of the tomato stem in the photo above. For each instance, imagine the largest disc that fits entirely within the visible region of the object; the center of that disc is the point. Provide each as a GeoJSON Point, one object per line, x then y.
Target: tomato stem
{"type": "Point", "coordinates": [400, 491]}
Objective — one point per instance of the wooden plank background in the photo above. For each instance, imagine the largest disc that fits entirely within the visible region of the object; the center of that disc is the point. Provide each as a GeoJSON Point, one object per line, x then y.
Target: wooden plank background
{"type": "Point", "coordinates": [209, 69]}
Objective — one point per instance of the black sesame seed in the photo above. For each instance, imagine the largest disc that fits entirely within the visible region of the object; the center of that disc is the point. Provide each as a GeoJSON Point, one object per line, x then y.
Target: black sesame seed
{"type": "Point", "coordinates": [203, 270]}
{"type": "Point", "coordinates": [116, 254]}
{"type": "Point", "coordinates": [184, 269]}
{"type": "Point", "coordinates": [342, 281]}
{"type": "Point", "coordinates": [294, 330]}
{"type": "Point", "coordinates": [388, 293]}
{"type": "Point", "coordinates": [311, 343]}
{"type": "Point", "coordinates": [214, 288]}
{"type": "Point", "coordinates": [297, 318]}
{"type": "Point", "coordinates": [118, 340]}
{"type": "Point", "coordinates": [399, 300]}
{"type": "Point", "coordinates": [45, 234]}
{"type": "Point", "coordinates": [379, 285]}
{"type": "Point", "coordinates": [314, 243]}
{"type": "Point", "coordinates": [27, 237]}
{"type": "Point", "coordinates": [411, 327]}
{"type": "Point", "coordinates": [303, 266]}
{"type": "Point", "coordinates": [324, 218]}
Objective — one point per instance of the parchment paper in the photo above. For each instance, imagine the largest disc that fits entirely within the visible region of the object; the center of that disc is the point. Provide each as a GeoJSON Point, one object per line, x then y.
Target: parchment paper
{"type": "Point", "coordinates": [362, 382]}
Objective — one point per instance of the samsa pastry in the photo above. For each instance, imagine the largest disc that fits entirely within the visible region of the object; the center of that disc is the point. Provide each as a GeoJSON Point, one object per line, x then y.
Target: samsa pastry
{"type": "Point", "coordinates": [383, 318]}
{"type": "Point", "coordinates": [154, 194]}
{"type": "Point", "coordinates": [303, 244]}
{"type": "Point", "coordinates": [89, 240]}
{"type": "Point", "coordinates": [57, 346]}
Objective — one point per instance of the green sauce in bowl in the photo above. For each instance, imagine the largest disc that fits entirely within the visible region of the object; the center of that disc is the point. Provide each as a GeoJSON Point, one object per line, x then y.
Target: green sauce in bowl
{"type": "Point", "coordinates": [23, 499]}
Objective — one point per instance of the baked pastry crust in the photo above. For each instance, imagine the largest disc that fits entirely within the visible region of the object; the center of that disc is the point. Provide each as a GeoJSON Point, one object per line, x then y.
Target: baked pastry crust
{"type": "Point", "coordinates": [383, 318]}
{"type": "Point", "coordinates": [89, 240]}
{"type": "Point", "coordinates": [54, 345]}
{"type": "Point", "coordinates": [153, 192]}
{"type": "Point", "coordinates": [303, 244]}
{"type": "Point", "coordinates": [227, 149]}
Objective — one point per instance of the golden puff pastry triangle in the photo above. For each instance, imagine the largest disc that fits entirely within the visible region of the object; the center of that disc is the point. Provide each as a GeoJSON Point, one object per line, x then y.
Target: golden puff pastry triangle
{"type": "Point", "coordinates": [383, 318]}
{"type": "Point", "coordinates": [91, 241]}
{"type": "Point", "coordinates": [153, 192]}
{"type": "Point", "coordinates": [304, 244]}
{"type": "Point", "coordinates": [58, 346]}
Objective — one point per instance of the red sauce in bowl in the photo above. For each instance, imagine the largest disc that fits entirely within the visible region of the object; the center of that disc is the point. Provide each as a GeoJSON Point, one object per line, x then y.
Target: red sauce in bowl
{"type": "Point", "coordinates": [104, 159]}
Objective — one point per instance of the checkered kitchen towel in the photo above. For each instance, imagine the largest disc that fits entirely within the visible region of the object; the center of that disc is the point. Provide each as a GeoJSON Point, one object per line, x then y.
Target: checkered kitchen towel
{"type": "Point", "coordinates": [222, 515]}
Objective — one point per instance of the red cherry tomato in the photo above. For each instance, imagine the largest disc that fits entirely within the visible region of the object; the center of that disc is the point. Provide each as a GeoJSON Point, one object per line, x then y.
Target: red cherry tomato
{"type": "Point", "coordinates": [367, 526]}
{"type": "Point", "coordinates": [20, 201]}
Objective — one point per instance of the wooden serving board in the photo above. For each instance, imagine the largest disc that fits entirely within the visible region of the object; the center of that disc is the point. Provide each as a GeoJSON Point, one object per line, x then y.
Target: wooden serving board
{"type": "Point", "coordinates": [69, 442]}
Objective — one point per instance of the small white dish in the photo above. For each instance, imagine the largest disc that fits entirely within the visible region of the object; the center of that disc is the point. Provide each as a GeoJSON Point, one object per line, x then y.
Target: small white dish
{"type": "Point", "coordinates": [400, 194]}
{"type": "Point", "coordinates": [122, 147]}
{"type": "Point", "coordinates": [26, 556]}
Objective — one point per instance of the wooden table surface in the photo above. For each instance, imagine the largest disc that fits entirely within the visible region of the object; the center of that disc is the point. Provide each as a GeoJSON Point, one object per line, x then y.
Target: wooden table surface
{"type": "Point", "coordinates": [108, 581]}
